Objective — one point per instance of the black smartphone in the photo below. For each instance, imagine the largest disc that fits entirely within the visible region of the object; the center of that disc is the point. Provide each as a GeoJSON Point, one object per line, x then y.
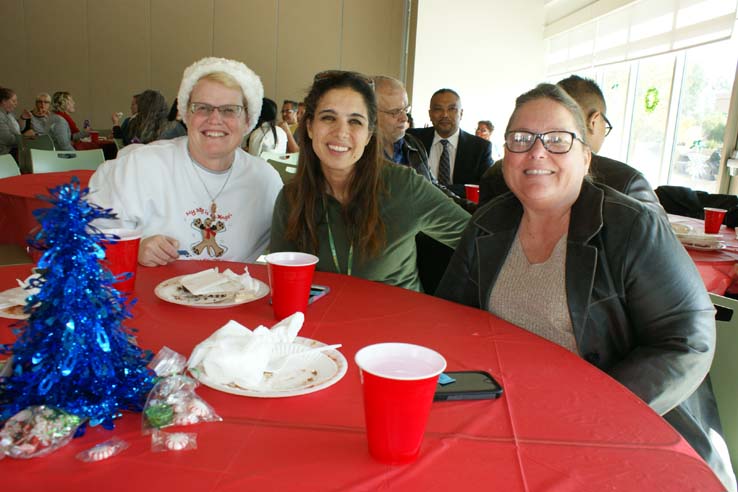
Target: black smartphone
{"type": "Point", "coordinates": [468, 385]}
{"type": "Point", "coordinates": [317, 291]}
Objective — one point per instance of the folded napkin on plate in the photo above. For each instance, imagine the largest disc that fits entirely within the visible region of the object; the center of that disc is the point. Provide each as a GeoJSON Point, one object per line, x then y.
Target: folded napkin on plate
{"type": "Point", "coordinates": [17, 295]}
{"type": "Point", "coordinates": [211, 281]}
{"type": "Point", "coordinates": [236, 355]}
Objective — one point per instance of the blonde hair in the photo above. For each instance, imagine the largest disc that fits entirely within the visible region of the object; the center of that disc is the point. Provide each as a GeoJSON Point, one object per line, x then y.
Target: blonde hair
{"type": "Point", "coordinates": [60, 101]}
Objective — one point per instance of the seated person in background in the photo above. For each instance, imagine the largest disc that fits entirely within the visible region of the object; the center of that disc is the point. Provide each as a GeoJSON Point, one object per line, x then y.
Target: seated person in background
{"type": "Point", "coordinates": [40, 119]}
{"type": "Point", "coordinates": [9, 127]}
{"type": "Point", "coordinates": [593, 270]}
{"type": "Point", "coordinates": [289, 124]}
{"type": "Point", "coordinates": [120, 129]}
{"type": "Point", "coordinates": [358, 213]}
{"type": "Point", "coordinates": [63, 103]}
{"type": "Point", "coordinates": [485, 129]}
{"type": "Point", "coordinates": [177, 129]}
{"type": "Point", "coordinates": [151, 119]}
{"type": "Point", "coordinates": [614, 174]}
{"type": "Point", "coordinates": [455, 157]}
{"type": "Point", "coordinates": [267, 135]}
{"type": "Point", "coordinates": [200, 196]}
{"type": "Point", "coordinates": [60, 132]}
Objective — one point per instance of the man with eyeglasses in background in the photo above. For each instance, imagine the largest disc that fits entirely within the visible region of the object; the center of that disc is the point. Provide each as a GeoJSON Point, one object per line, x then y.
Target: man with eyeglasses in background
{"type": "Point", "coordinates": [615, 174]}
{"type": "Point", "coordinates": [466, 156]}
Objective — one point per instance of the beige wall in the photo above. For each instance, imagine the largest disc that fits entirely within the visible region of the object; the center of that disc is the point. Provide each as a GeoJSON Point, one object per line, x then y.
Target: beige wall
{"type": "Point", "coordinates": [103, 51]}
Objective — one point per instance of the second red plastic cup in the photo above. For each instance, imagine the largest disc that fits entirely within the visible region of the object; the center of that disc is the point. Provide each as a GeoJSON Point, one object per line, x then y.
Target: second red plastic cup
{"type": "Point", "coordinates": [121, 256]}
{"type": "Point", "coordinates": [94, 136]}
{"type": "Point", "coordinates": [472, 192]}
{"type": "Point", "coordinates": [713, 219]}
{"type": "Point", "coordinates": [290, 276]}
{"type": "Point", "coordinates": [398, 381]}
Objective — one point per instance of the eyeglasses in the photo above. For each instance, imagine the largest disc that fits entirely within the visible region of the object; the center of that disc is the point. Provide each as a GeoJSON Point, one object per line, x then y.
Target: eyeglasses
{"type": "Point", "coordinates": [397, 112]}
{"type": "Point", "coordinates": [330, 74]}
{"type": "Point", "coordinates": [556, 142]}
{"type": "Point", "coordinates": [42, 101]}
{"type": "Point", "coordinates": [608, 126]}
{"type": "Point", "coordinates": [226, 111]}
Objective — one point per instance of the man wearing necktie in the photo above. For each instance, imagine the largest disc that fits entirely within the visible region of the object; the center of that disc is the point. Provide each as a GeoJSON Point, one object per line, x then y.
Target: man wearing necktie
{"type": "Point", "coordinates": [455, 156]}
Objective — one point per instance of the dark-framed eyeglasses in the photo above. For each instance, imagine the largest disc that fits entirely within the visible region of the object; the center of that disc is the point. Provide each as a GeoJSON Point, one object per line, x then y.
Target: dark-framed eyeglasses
{"type": "Point", "coordinates": [556, 142]}
{"type": "Point", "coordinates": [397, 112]}
{"type": "Point", "coordinates": [43, 101]}
{"type": "Point", "coordinates": [330, 74]}
{"type": "Point", "coordinates": [608, 126]}
{"type": "Point", "coordinates": [226, 111]}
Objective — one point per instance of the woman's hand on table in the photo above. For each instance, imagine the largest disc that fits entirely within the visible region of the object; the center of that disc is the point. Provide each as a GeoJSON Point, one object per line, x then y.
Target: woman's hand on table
{"type": "Point", "coordinates": [158, 250]}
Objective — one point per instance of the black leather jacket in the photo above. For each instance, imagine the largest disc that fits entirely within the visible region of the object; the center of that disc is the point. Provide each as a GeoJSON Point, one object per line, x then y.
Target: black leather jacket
{"type": "Point", "coordinates": [615, 174]}
{"type": "Point", "coordinates": [638, 307]}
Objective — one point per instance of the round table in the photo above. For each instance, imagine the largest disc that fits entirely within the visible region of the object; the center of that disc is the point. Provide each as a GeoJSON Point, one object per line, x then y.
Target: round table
{"type": "Point", "coordinates": [561, 424]}
{"type": "Point", "coordinates": [718, 268]}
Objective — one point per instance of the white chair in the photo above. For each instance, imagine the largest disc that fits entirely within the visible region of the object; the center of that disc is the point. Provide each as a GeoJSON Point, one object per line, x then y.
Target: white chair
{"type": "Point", "coordinates": [291, 159]}
{"type": "Point", "coordinates": [49, 161]}
{"type": "Point", "coordinates": [724, 373]}
{"type": "Point", "coordinates": [26, 143]}
{"type": "Point", "coordinates": [8, 166]}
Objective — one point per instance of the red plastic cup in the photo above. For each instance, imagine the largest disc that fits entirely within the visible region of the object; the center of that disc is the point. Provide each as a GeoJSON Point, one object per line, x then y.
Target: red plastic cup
{"type": "Point", "coordinates": [290, 276]}
{"type": "Point", "coordinates": [398, 380]}
{"type": "Point", "coordinates": [713, 219]}
{"type": "Point", "coordinates": [95, 136]}
{"type": "Point", "coordinates": [472, 192]}
{"type": "Point", "coordinates": [121, 256]}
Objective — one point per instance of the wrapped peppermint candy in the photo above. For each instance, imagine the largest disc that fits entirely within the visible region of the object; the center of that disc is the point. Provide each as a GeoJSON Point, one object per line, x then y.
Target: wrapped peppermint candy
{"type": "Point", "coordinates": [37, 431]}
{"type": "Point", "coordinates": [174, 441]}
{"type": "Point", "coordinates": [103, 451]}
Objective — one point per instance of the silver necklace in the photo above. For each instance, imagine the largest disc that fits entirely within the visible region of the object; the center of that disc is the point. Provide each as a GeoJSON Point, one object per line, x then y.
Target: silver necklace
{"type": "Point", "coordinates": [213, 206]}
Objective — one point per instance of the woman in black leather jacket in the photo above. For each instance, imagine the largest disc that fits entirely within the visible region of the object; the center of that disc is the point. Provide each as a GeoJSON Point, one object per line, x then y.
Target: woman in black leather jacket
{"type": "Point", "coordinates": [630, 299]}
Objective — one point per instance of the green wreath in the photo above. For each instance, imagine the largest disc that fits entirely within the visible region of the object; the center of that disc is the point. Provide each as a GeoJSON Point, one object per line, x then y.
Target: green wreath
{"type": "Point", "coordinates": [651, 99]}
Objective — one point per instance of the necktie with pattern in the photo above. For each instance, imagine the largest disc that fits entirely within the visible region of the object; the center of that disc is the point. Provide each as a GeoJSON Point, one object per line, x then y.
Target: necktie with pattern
{"type": "Point", "coordinates": [444, 165]}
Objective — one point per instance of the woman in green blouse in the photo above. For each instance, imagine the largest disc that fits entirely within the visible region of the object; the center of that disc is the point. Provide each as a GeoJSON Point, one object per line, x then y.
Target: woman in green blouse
{"type": "Point", "coordinates": [357, 212]}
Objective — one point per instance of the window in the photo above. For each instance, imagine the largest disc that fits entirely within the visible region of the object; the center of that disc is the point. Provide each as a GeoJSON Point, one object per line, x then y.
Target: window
{"type": "Point", "coordinates": [669, 113]}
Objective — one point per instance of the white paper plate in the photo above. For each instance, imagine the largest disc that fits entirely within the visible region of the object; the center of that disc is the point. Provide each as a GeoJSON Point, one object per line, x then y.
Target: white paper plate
{"type": "Point", "coordinates": [13, 312]}
{"type": "Point", "coordinates": [167, 291]}
{"type": "Point", "coordinates": [300, 376]}
{"type": "Point", "coordinates": [704, 247]}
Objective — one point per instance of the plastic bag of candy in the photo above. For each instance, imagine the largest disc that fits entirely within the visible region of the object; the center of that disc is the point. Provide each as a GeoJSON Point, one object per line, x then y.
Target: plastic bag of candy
{"type": "Point", "coordinates": [167, 362]}
{"type": "Point", "coordinates": [37, 431]}
{"type": "Point", "coordinates": [173, 441]}
{"type": "Point", "coordinates": [173, 401]}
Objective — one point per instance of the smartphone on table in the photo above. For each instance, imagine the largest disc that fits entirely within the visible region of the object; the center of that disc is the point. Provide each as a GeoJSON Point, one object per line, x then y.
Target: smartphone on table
{"type": "Point", "coordinates": [317, 291]}
{"type": "Point", "coordinates": [468, 385]}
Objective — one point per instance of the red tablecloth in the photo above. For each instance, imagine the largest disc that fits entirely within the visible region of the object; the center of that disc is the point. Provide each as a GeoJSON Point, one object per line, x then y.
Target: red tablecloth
{"type": "Point", "coordinates": [719, 268]}
{"type": "Point", "coordinates": [18, 200]}
{"type": "Point", "coordinates": [109, 148]}
{"type": "Point", "coordinates": [561, 424]}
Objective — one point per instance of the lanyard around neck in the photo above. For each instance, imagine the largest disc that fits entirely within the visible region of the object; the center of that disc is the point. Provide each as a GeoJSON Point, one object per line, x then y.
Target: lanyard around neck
{"type": "Point", "coordinates": [333, 244]}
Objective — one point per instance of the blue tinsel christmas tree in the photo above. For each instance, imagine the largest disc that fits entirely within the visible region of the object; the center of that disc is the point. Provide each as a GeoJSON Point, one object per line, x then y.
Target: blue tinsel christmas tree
{"type": "Point", "coordinates": [73, 352]}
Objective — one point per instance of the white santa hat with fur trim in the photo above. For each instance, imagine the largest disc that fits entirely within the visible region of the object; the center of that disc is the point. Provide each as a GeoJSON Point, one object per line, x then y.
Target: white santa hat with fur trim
{"type": "Point", "coordinates": [250, 84]}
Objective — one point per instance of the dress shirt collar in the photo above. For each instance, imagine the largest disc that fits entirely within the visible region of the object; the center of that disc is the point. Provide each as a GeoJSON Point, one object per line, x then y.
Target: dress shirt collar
{"type": "Point", "coordinates": [453, 139]}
